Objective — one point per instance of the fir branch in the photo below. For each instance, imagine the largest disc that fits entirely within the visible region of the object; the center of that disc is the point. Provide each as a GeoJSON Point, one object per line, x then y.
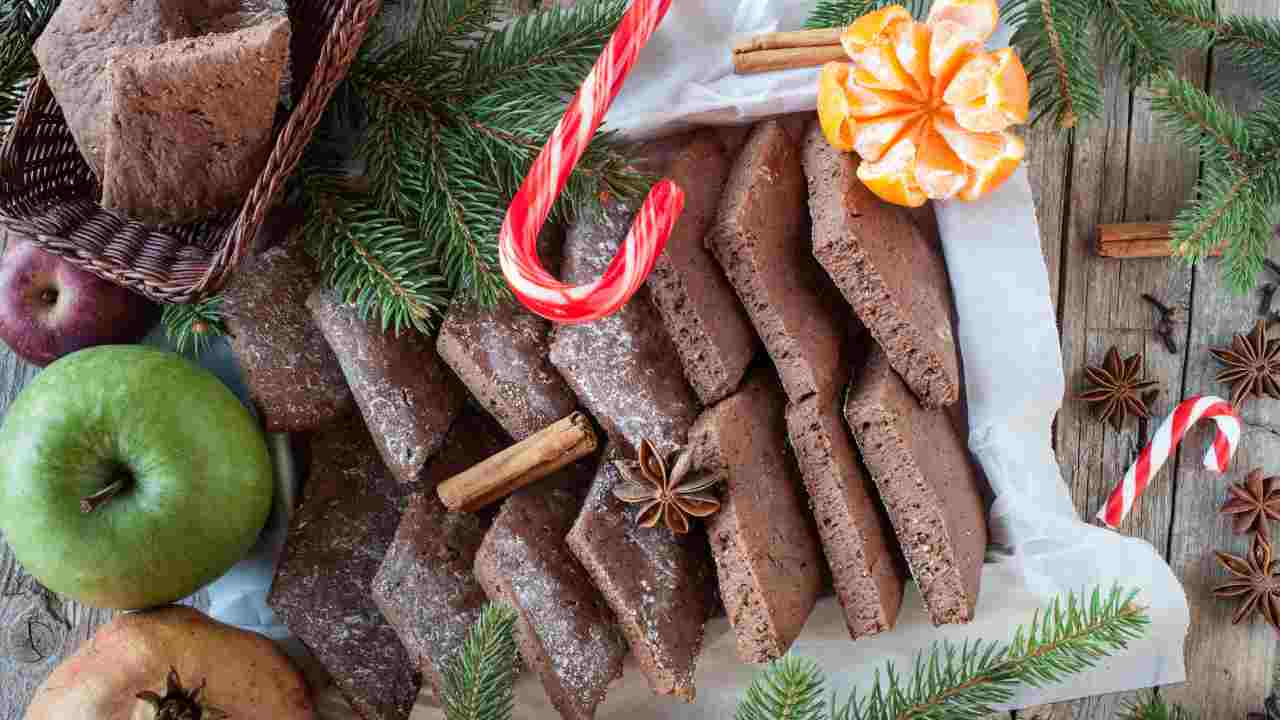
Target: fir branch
{"type": "Point", "coordinates": [839, 13]}
{"type": "Point", "coordinates": [456, 114]}
{"type": "Point", "coordinates": [375, 262]}
{"type": "Point", "coordinates": [1240, 179]}
{"type": "Point", "coordinates": [1128, 30]}
{"type": "Point", "coordinates": [190, 327]}
{"type": "Point", "coordinates": [964, 682]}
{"type": "Point", "coordinates": [787, 689]}
{"type": "Point", "coordinates": [1200, 120]}
{"type": "Point", "coordinates": [21, 22]}
{"type": "Point", "coordinates": [1055, 41]}
{"type": "Point", "coordinates": [1251, 43]}
{"type": "Point", "coordinates": [477, 685]}
{"type": "Point", "coordinates": [545, 53]}
{"type": "Point", "coordinates": [1153, 707]}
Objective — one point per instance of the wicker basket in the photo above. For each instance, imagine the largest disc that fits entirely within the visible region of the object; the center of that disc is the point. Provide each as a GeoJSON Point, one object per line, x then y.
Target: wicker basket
{"type": "Point", "coordinates": [48, 192]}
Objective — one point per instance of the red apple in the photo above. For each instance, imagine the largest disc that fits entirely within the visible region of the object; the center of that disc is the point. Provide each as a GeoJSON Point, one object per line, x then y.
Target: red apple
{"type": "Point", "coordinates": [49, 307]}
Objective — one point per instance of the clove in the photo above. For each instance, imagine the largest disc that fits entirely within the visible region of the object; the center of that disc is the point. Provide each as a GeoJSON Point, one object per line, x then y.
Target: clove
{"type": "Point", "coordinates": [1164, 327]}
{"type": "Point", "coordinates": [1268, 296]}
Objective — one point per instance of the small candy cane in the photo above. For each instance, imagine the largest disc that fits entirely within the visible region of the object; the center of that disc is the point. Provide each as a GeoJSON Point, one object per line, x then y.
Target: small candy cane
{"type": "Point", "coordinates": [1154, 456]}
{"type": "Point", "coordinates": [517, 243]}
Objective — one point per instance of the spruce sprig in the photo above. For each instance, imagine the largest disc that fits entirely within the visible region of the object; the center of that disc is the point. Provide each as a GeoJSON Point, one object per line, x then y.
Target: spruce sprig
{"type": "Point", "coordinates": [790, 688]}
{"type": "Point", "coordinates": [964, 682]}
{"type": "Point", "coordinates": [456, 113]}
{"type": "Point", "coordinates": [21, 22]}
{"type": "Point", "coordinates": [1239, 187]}
{"type": "Point", "coordinates": [191, 327]}
{"type": "Point", "coordinates": [1151, 706]}
{"type": "Point", "coordinates": [837, 13]}
{"type": "Point", "coordinates": [374, 261]}
{"type": "Point", "coordinates": [478, 684]}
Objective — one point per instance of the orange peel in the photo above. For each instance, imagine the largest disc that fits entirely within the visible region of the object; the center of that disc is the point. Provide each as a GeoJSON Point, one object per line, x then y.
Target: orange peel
{"type": "Point", "coordinates": [926, 108]}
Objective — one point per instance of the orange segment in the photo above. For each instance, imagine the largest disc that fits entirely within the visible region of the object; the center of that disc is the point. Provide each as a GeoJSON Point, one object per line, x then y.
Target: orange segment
{"type": "Point", "coordinates": [980, 17]}
{"type": "Point", "coordinates": [872, 138]}
{"type": "Point", "coordinates": [990, 92]}
{"type": "Point", "coordinates": [833, 106]}
{"type": "Point", "coordinates": [893, 178]}
{"type": "Point", "coordinates": [870, 28]}
{"type": "Point", "coordinates": [939, 171]}
{"type": "Point", "coordinates": [985, 179]}
{"type": "Point", "coordinates": [911, 46]}
{"type": "Point", "coordinates": [976, 149]}
{"type": "Point", "coordinates": [950, 46]}
{"type": "Point", "coordinates": [865, 104]}
{"type": "Point", "coordinates": [869, 45]}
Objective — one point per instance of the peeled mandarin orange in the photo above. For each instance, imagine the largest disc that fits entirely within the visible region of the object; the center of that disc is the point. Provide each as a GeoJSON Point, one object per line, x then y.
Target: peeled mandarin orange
{"type": "Point", "coordinates": [924, 105]}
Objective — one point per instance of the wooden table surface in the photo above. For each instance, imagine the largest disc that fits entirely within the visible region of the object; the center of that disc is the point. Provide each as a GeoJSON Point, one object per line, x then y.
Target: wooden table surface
{"type": "Point", "coordinates": [1124, 167]}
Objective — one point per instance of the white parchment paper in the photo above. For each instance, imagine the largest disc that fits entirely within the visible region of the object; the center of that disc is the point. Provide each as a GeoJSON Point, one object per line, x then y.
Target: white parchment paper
{"type": "Point", "coordinates": [1015, 384]}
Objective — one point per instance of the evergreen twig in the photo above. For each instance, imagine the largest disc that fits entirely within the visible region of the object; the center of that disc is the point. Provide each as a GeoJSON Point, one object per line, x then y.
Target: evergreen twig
{"type": "Point", "coordinates": [456, 114]}
{"type": "Point", "coordinates": [790, 688]}
{"type": "Point", "coordinates": [1150, 706]}
{"type": "Point", "coordinates": [837, 13]}
{"type": "Point", "coordinates": [964, 682]}
{"type": "Point", "coordinates": [478, 684]}
{"type": "Point", "coordinates": [21, 22]}
{"type": "Point", "coordinates": [191, 327]}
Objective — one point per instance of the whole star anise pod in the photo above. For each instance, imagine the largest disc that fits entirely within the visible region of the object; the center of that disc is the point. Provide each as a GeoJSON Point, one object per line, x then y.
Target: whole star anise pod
{"type": "Point", "coordinates": [1253, 504]}
{"type": "Point", "coordinates": [1254, 580]}
{"type": "Point", "coordinates": [1251, 365]}
{"type": "Point", "coordinates": [665, 495]}
{"type": "Point", "coordinates": [1117, 391]}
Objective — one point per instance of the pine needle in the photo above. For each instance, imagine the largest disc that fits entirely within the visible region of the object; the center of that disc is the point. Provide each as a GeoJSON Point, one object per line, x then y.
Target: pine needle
{"type": "Point", "coordinates": [191, 327]}
{"type": "Point", "coordinates": [478, 684]}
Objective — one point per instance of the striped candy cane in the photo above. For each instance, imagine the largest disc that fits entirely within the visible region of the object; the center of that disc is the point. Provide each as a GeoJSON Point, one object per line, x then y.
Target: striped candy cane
{"type": "Point", "coordinates": [1154, 456]}
{"type": "Point", "coordinates": [517, 242]}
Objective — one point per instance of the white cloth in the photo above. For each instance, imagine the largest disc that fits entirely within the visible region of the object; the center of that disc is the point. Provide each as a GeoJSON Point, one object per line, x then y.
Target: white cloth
{"type": "Point", "coordinates": [1013, 375]}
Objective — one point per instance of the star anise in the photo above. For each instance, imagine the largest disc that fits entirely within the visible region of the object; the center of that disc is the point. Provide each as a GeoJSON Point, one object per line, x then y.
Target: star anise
{"type": "Point", "coordinates": [1254, 579]}
{"type": "Point", "coordinates": [666, 496]}
{"type": "Point", "coordinates": [1251, 365]}
{"type": "Point", "coordinates": [1117, 391]}
{"type": "Point", "coordinates": [1253, 504]}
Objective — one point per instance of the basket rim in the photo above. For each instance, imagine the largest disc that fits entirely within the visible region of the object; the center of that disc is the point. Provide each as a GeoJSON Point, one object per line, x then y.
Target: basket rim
{"type": "Point", "coordinates": [232, 242]}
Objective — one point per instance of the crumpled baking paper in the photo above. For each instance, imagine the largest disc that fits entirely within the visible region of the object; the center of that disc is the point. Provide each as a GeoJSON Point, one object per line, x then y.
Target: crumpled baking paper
{"type": "Point", "coordinates": [1014, 379]}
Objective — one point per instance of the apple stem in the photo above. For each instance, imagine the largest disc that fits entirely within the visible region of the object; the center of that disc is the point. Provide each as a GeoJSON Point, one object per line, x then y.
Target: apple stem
{"type": "Point", "coordinates": [91, 503]}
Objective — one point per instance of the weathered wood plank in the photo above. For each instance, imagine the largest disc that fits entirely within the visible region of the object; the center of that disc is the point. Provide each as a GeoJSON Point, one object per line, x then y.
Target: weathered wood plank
{"type": "Point", "coordinates": [1048, 161]}
{"type": "Point", "coordinates": [1229, 667]}
{"type": "Point", "coordinates": [1123, 169]}
{"type": "Point", "coordinates": [36, 631]}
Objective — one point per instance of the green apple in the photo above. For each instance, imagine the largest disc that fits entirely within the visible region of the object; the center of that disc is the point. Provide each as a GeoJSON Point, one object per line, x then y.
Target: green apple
{"type": "Point", "coordinates": [130, 477]}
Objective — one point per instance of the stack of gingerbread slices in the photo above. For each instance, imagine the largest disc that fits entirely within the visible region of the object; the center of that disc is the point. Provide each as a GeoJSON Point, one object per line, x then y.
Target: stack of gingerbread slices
{"type": "Point", "coordinates": [793, 349]}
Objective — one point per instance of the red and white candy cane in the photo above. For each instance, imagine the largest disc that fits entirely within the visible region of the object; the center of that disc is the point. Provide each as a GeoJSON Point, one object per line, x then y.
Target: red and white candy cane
{"type": "Point", "coordinates": [1154, 456]}
{"type": "Point", "coordinates": [517, 243]}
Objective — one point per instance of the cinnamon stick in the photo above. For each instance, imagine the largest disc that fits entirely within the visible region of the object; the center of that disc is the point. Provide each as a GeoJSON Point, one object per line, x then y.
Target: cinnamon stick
{"type": "Point", "coordinates": [1137, 240]}
{"type": "Point", "coordinates": [759, 61]}
{"type": "Point", "coordinates": [788, 39]}
{"type": "Point", "coordinates": [528, 461]}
